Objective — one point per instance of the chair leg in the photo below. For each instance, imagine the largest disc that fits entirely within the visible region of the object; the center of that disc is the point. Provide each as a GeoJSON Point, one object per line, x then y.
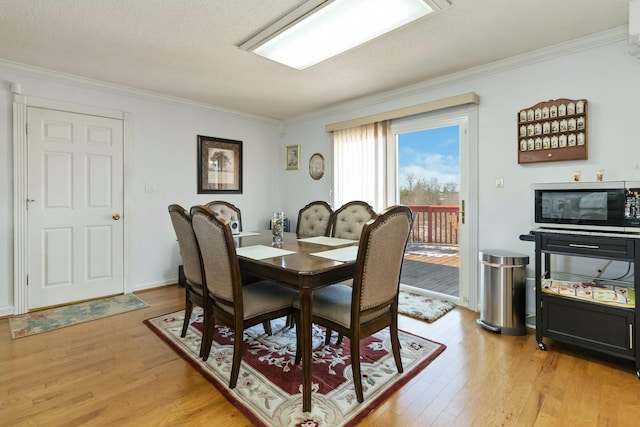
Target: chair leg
{"type": "Point", "coordinates": [267, 328]}
{"type": "Point", "coordinates": [327, 337]}
{"type": "Point", "coordinates": [188, 309]}
{"type": "Point", "coordinates": [395, 344]}
{"type": "Point", "coordinates": [207, 333]}
{"type": "Point", "coordinates": [355, 367]}
{"type": "Point", "coordinates": [290, 323]}
{"type": "Point", "coordinates": [237, 357]}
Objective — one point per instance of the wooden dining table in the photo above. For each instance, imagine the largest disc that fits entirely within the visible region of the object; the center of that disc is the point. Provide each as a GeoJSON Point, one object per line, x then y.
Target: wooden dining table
{"type": "Point", "coordinates": [301, 271]}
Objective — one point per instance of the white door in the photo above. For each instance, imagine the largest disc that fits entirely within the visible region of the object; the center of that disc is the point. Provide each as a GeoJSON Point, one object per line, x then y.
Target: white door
{"type": "Point", "coordinates": [75, 205]}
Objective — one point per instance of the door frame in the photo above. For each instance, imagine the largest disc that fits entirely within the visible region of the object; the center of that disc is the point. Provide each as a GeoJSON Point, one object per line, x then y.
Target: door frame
{"type": "Point", "coordinates": [467, 118]}
{"type": "Point", "coordinates": [21, 103]}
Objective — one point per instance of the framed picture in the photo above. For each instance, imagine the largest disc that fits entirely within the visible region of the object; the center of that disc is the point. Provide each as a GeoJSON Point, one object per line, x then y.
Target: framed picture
{"type": "Point", "coordinates": [316, 166]}
{"type": "Point", "coordinates": [219, 165]}
{"type": "Point", "coordinates": [292, 157]}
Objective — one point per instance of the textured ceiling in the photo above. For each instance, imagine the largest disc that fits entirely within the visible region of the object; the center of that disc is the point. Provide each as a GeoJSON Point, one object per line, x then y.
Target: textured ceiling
{"type": "Point", "coordinates": [187, 48]}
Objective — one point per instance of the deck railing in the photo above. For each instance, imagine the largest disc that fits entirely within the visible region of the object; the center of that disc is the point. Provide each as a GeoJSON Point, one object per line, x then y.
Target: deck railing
{"type": "Point", "coordinates": [435, 224]}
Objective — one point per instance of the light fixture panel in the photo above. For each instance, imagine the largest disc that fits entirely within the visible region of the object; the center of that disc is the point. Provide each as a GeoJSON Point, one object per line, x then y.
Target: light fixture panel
{"type": "Point", "coordinates": [319, 30]}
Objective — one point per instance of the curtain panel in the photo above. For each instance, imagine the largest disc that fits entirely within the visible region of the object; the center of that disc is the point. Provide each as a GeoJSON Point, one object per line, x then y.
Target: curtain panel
{"type": "Point", "coordinates": [359, 164]}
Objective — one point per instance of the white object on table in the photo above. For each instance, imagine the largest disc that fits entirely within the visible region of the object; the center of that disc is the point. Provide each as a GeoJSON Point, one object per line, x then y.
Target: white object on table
{"type": "Point", "coordinates": [328, 241]}
{"type": "Point", "coordinates": [261, 252]}
{"type": "Point", "coordinates": [347, 254]}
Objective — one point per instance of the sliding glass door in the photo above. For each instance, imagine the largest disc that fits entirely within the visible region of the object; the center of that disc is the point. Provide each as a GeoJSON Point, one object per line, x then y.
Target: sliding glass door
{"type": "Point", "coordinates": [430, 164]}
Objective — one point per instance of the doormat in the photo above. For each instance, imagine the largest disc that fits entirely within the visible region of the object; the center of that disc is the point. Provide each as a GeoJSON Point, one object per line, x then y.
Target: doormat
{"type": "Point", "coordinates": [269, 386]}
{"type": "Point", "coordinates": [422, 307]}
{"type": "Point", "coordinates": [50, 319]}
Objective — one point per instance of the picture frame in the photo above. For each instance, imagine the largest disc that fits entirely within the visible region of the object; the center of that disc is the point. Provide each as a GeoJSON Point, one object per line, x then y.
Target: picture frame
{"type": "Point", "coordinates": [219, 165]}
{"type": "Point", "coordinates": [316, 166]}
{"type": "Point", "coordinates": [292, 157]}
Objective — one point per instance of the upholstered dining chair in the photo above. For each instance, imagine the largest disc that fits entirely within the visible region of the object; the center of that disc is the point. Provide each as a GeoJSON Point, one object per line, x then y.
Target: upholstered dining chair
{"type": "Point", "coordinates": [226, 299]}
{"type": "Point", "coordinates": [226, 210]}
{"type": "Point", "coordinates": [371, 303]}
{"type": "Point", "coordinates": [348, 220]}
{"type": "Point", "coordinates": [314, 219]}
{"type": "Point", "coordinates": [190, 255]}
{"type": "Point", "coordinates": [346, 223]}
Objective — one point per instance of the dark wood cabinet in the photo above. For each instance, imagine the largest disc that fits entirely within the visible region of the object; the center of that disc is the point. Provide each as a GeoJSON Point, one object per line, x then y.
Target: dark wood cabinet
{"type": "Point", "coordinates": [608, 329]}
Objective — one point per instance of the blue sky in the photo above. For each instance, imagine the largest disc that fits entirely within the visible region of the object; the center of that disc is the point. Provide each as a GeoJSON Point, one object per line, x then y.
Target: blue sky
{"type": "Point", "coordinates": [430, 153]}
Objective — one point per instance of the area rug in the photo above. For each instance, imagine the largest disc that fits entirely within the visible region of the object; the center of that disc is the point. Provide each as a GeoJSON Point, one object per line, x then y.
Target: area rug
{"type": "Point", "coordinates": [68, 315]}
{"type": "Point", "coordinates": [269, 388]}
{"type": "Point", "coordinates": [422, 307]}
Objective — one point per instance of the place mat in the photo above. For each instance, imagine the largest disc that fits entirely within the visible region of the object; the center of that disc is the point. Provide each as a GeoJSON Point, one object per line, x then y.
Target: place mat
{"type": "Point", "coordinates": [347, 254]}
{"type": "Point", "coordinates": [328, 241]}
{"type": "Point", "coordinates": [262, 252]}
{"type": "Point", "coordinates": [246, 234]}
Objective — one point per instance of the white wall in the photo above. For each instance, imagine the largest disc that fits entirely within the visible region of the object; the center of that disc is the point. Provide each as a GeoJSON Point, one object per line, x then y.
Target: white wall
{"type": "Point", "coordinates": [164, 152]}
{"type": "Point", "coordinates": [164, 155]}
{"type": "Point", "coordinates": [605, 75]}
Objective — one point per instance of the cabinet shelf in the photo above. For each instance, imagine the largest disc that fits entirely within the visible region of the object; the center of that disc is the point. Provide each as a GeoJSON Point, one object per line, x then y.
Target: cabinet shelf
{"type": "Point", "coordinates": [609, 329]}
{"type": "Point", "coordinates": [566, 275]}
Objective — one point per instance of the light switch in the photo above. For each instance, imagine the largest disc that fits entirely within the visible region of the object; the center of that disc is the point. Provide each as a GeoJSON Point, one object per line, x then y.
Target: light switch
{"type": "Point", "coordinates": [149, 188]}
{"type": "Point", "coordinates": [499, 181]}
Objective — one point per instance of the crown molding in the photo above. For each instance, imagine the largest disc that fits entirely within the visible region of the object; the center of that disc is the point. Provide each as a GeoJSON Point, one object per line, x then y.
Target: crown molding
{"type": "Point", "coordinates": [591, 41]}
{"type": "Point", "coordinates": [38, 72]}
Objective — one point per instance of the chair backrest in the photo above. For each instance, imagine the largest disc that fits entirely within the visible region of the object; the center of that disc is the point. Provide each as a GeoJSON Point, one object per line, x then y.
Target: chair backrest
{"type": "Point", "coordinates": [188, 244]}
{"type": "Point", "coordinates": [348, 220]}
{"type": "Point", "coordinates": [314, 219]}
{"type": "Point", "coordinates": [380, 255]}
{"type": "Point", "coordinates": [226, 210]}
{"type": "Point", "coordinates": [219, 259]}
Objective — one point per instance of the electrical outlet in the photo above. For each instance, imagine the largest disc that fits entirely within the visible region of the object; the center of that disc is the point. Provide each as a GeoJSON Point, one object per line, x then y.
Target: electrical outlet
{"type": "Point", "coordinates": [149, 188]}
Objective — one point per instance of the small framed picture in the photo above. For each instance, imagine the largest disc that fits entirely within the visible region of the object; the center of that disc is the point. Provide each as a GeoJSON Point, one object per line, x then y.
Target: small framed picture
{"type": "Point", "coordinates": [219, 165]}
{"type": "Point", "coordinates": [292, 157]}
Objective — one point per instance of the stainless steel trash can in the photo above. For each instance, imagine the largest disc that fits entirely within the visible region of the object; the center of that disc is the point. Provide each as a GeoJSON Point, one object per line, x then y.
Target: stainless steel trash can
{"type": "Point", "coordinates": [502, 283]}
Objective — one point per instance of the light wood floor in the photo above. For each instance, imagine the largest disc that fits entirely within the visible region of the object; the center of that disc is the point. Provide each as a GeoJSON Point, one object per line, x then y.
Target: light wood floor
{"type": "Point", "coordinates": [116, 372]}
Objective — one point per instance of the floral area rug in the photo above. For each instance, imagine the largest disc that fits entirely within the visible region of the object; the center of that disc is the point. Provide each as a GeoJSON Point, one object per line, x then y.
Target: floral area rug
{"type": "Point", "coordinates": [269, 388]}
{"type": "Point", "coordinates": [422, 307]}
{"type": "Point", "coordinates": [68, 315]}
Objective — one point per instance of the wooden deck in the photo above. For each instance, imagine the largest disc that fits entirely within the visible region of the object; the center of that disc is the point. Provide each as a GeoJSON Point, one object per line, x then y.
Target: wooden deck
{"type": "Point", "coordinates": [433, 267]}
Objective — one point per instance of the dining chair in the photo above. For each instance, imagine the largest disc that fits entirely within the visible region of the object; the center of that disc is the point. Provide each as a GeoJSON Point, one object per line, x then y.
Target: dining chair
{"type": "Point", "coordinates": [348, 220]}
{"type": "Point", "coordinates": [346, 223]}
{"type": "Point", "coordinates": [192, 268]}
{"type": "Point", "coordinates": [314, 219]}
{"type": "Point", "coordinates": [371, 303]}
{"type": "Point", "coordinates": [226, 210]}
{"type": "Point", "coordinates": [226, 299]}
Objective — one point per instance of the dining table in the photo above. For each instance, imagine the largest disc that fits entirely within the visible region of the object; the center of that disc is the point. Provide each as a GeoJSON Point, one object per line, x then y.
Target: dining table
{"type": "Point", "coordinates": [301, 263]}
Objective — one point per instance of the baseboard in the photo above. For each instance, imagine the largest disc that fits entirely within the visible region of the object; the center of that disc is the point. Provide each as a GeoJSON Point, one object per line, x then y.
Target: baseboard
{"type": "Point", "coordinates": [7, 310]}
{"type": "Point", "coordinates": [152, 285]}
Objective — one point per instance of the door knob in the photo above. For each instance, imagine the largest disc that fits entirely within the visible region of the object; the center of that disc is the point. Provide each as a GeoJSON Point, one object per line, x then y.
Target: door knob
{"type": "Point", "coordinates": [115, 216]}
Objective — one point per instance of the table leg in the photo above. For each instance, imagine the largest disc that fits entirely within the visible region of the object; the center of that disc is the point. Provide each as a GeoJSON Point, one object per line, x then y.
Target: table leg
{"type": "Point", "coordinates": [307, 362]}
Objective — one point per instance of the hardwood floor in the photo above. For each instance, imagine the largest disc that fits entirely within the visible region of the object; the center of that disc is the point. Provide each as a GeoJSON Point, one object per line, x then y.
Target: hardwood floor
{"type": "Point", "coordinates": [116, 372]}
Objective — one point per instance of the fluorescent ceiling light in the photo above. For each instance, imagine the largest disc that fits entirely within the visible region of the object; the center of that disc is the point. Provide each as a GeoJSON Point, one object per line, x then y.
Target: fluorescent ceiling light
{"type": "Point", "coordinates": [319, 29]}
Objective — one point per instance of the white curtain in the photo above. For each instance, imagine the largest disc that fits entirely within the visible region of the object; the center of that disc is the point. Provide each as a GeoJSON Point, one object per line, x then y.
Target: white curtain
{"type": "Point", "coordinates": [359, 164]}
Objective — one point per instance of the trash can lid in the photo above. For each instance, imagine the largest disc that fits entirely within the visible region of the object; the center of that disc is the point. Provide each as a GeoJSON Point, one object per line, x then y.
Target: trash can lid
{"type": "Point", "coordinates": [498, 256]}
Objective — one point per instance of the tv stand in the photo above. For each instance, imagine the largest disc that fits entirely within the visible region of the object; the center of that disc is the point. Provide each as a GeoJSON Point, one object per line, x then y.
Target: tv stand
{"type": "Point", "coordinates": [608, 329]}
